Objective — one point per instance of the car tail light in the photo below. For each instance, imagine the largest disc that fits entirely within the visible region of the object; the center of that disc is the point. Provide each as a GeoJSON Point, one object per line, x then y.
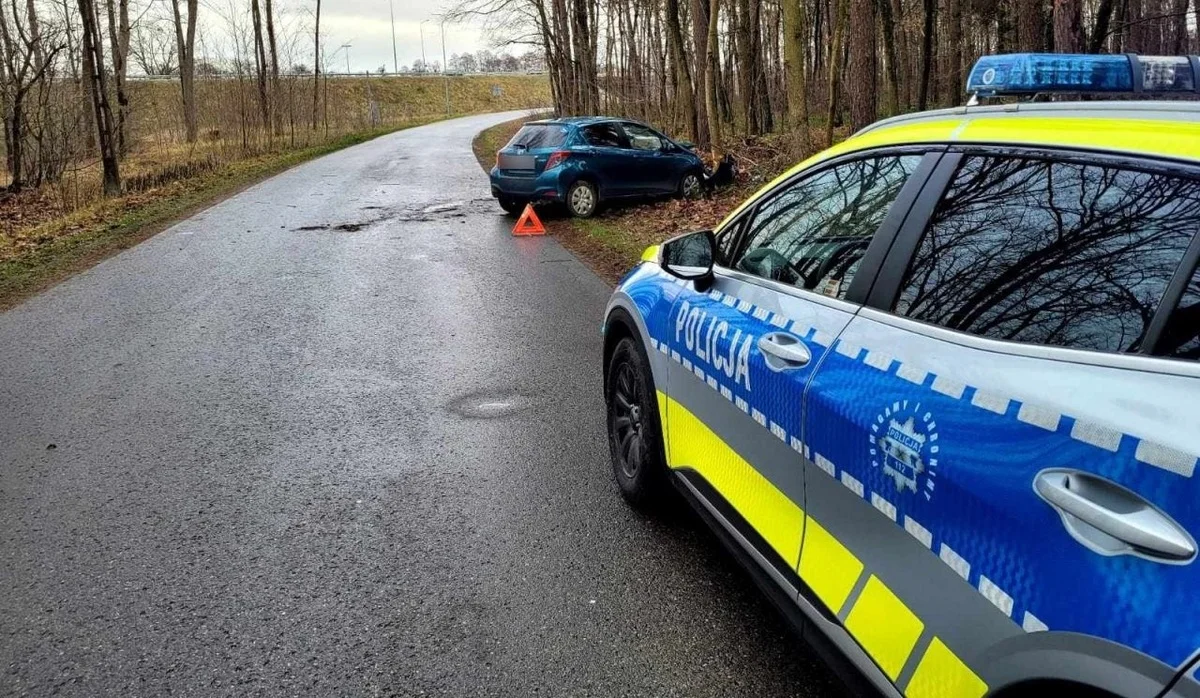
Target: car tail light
{"type": "Point", "coordinates": [497, 159]}
{"type": "Point", "coordinates": [557, 158]}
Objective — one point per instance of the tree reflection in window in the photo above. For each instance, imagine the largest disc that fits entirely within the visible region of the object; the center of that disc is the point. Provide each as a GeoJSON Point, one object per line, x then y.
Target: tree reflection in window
{"type": "Point", "coordinates": [814, 233]}
{"type": "Point", "coordinates": [1057, 253]}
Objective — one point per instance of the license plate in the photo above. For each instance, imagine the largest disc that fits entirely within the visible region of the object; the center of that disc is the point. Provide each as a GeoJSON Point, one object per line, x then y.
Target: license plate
{"type": "Point", "coordinates": [516, 162]}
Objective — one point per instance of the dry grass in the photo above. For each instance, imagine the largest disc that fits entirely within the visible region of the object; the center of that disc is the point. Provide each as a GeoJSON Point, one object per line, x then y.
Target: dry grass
{"type": "Point", "coordinates": [49, 232]}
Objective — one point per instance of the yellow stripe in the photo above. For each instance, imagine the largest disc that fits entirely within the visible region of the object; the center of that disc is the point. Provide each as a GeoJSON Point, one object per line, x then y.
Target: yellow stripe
{"type": "Point", "coordinates": [941, 674]}
{"type": "Point", "coordinates": [879, 621]}
{"type": "Point", "coordinates": [827, 566]}
{"type": "Point", "coordinates": [884, 626]}
{"type": "Point", "coordinates": [650, 254]}
{"type": "Point", "coordinates": [779, 520]}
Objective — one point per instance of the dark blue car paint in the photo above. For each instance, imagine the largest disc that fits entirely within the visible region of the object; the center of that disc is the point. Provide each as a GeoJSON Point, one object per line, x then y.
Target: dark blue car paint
{"type": "Point", "coordinates": [616, 172]}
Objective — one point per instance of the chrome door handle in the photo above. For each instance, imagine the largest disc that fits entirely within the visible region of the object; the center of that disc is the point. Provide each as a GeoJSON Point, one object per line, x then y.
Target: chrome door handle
{"type": "Point", "coordinates": [783, 351]}
{"type": "Point", "coordinates": [1112, 520]}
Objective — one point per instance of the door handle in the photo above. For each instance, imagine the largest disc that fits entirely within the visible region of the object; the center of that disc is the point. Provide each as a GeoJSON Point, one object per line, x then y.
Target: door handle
{"type": "Point", "coordinates": [783, 351]}
{"type": "Point", "coordinates": [1112, 520]}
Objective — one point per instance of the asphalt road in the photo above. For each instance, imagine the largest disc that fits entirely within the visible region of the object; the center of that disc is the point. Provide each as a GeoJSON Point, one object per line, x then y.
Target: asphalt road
{"type": "Point", "coordinates": [342, 435]}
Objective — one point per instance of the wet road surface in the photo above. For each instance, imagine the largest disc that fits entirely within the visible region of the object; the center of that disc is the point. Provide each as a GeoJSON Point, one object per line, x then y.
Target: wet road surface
{"type": "Point", "coordinates": [342, 435]}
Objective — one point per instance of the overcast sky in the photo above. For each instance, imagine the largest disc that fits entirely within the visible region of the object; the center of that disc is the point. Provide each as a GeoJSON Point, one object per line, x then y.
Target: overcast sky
{"type": "Point", "coordinates": [366, 25]}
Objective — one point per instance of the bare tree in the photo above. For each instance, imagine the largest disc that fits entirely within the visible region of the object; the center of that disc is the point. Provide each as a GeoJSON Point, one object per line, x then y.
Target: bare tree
{"type": "Point", "coordinates": [185, 38]}
{"type": "Point", "coordinates": [24, 61]}
{"type": "Point", "coordinates": [316, 65]}
{"type": "Point", "coordinates": [93, 47]}
{"type": "Point", "coordinates": [118, 30]}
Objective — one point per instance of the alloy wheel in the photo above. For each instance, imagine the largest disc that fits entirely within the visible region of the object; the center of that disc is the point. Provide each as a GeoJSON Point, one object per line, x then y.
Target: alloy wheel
{"type": "Point", "coordinates": [628, 421]}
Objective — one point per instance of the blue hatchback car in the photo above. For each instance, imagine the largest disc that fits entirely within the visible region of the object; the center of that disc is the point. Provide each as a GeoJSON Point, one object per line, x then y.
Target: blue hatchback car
{"type": "Point", "coordinates": [583, 162]}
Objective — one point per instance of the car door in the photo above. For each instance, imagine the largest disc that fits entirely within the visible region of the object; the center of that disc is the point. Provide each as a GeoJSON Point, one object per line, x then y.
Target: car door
{"type": "Point", "coordinates": [741, 350]}
{"type": "Point", "coordinates": [651, 169]}
{"type": "Point", "coordinates": [608, 155]}
{"type": "Point", "coordinates": [993, 417]}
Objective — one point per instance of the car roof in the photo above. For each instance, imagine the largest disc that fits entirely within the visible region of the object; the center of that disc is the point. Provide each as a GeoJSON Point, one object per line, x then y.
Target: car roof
{"type": "Point", "coordinates": [581, 120]}
{"type": "Point", "coordinates": [1156, 129]}
{"type": "Point", "coordinates": [1166, 130]}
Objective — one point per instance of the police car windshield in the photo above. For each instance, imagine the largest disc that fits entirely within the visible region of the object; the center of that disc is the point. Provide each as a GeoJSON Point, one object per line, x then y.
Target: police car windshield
{"type": "Point", "coordinates": [539, 136]}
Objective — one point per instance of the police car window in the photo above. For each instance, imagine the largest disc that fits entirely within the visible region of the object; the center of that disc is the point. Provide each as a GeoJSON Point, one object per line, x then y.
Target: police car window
{"type": "Point", "coordinates": [642, 138]}
{"type": "Point", "coordinates": [1060, 253]}
{"type": "Point", "coordinates": [814, 233]}
{"type": "Point", "coordinates": [1181, 336]}
{"type": "Point", "coordinates": [605, 136]}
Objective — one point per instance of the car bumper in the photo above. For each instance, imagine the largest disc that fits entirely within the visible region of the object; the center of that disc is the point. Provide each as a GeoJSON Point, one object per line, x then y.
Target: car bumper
{"type": "Point", "coordinates": [544, 187]}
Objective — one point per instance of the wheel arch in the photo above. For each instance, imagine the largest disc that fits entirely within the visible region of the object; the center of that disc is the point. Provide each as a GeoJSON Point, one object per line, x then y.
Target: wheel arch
{"type": "Point", "coordinates": [1072, 664]}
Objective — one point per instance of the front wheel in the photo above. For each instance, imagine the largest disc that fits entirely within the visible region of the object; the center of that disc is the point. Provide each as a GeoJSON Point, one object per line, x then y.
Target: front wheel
{"type": "Point", "coordinates": [582, 199]}
{"type": "Point", "coordinates": [690, 186]}
{"type": "Point", "coordinates": [634, 431]}
{"type": "Point", "coordinates": [511, 206]}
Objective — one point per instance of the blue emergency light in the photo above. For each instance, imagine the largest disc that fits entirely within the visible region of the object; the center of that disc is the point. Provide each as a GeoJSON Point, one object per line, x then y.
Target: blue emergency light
{"type": "Point", "coordinates": [1045, 73]}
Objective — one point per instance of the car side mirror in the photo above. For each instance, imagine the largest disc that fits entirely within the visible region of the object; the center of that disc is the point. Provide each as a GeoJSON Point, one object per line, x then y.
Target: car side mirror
{"type": "Point", "coordinates": [691, 257]}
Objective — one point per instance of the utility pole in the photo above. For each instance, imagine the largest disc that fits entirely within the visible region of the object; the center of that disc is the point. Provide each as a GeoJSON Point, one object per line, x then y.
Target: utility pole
{"type": "Point", "coordinates": [347, 47]}
{"type": "Point", "coordinates": [395, 62]}
{"type": "Point", "coordinates": [424, 64]}
{"type": "Point", "coordinates": [445, 76]}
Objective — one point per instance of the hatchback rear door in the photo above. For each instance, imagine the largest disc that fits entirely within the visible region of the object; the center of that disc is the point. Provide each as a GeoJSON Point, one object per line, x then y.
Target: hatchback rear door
{"type": "Point", "coordinates": [1002, 454]}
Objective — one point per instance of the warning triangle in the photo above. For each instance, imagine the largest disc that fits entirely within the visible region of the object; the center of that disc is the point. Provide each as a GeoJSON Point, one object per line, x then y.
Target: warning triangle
{"type": "Point", "coordinates": [528, 223]}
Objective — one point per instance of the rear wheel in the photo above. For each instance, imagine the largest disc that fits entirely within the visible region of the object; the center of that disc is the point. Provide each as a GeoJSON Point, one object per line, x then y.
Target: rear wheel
{"type": "Point", "coordinates": [511, 206]}
{"type": "Point", "coordinates": [582, 199]}
{"type": "Point", "coordinates": [634, 431]}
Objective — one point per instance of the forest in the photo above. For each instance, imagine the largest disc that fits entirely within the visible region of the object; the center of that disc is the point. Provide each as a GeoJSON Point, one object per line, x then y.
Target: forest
{"type": "Point", "coordinates": [714, 70]}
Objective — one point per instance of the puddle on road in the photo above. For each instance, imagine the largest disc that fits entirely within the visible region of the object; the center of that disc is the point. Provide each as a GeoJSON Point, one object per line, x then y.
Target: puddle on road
{"type": "Point", "coordinates": [489, 405]}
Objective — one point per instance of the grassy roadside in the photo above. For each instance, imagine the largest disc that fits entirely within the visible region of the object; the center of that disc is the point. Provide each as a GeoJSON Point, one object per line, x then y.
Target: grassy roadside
{"type": "Point", "coordinates": [80, 240]}
{"type": "Point", "coordinates": [613, 241]}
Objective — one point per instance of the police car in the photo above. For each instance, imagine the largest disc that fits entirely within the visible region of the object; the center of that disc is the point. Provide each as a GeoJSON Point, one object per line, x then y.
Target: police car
{"type": "Point", "coordinates": [939, 386]}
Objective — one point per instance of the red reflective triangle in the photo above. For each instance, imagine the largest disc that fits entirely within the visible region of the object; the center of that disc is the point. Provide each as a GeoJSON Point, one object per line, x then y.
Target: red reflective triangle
{"type": "Point", "coordinates": [528, 223]}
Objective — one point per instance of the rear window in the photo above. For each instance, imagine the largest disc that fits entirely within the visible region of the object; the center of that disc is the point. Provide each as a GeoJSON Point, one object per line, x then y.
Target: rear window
{"type": "Point", "coordinates": [540, 136]}
{"type": "Point", "coordinates": [1061, 253]}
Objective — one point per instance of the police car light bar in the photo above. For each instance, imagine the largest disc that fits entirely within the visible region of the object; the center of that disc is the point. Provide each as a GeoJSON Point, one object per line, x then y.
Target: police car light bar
{"type": "Point", "coordinates": [1043, 73]}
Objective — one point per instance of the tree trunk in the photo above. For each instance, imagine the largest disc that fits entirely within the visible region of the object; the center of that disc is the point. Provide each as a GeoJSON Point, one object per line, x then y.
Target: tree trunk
{"type": "Point", "coordinates": [186, 46]}
{"type": "Point", "coordinates": [699, 58]}
{"type": "Point", "coordinates": [954, 48]}
{"type": "Point", "coordinates": [795, 49]}
{"type": "Point", "coordinates": [863, 64]}
{"type": "Point", "coordinates": [684, 97]}
{"type": "Point", "coordinates": [93, 44]}
{"type": "Point", "coordinates": [712, 76]}
{"type": "Point", "coordinates": [1179, 28]}
{"type": "Point", "coordinates": [1031, 23]}
{"type": "Point", "coordinates": [928, 9]}
{"type": "Point", "coordinates": [1068, 26]}
{"type": "Point", "coordinates": [840, 19]}
{"type": "Point", "coordinates": [1100, 28]}
{"type": "Point", "coordinates": [890, 57]}
{"type": "Point", "coordinates": [260, 65]}
{"type": "Point", "coordinates": [316, 66]}
{"type": "Point", "coordinates": [118, 30]}
{"type": "Point", "coordinates": [275, 93]}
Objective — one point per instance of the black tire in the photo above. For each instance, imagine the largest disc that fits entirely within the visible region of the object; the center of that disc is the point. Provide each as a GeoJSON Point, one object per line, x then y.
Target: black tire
{"type": "Point", "coordinates": [511, 206]}
{"type": "Point", "coordinates": [634, 429]}
{"type": "Point", "coordinates": [582, 199]}
{"type": "Point", "coordinates": [691, 186]}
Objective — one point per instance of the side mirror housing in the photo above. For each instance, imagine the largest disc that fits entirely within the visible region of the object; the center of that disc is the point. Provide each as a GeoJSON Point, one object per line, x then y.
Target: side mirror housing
{"type": "Point", "coordinates": [690, 256]}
